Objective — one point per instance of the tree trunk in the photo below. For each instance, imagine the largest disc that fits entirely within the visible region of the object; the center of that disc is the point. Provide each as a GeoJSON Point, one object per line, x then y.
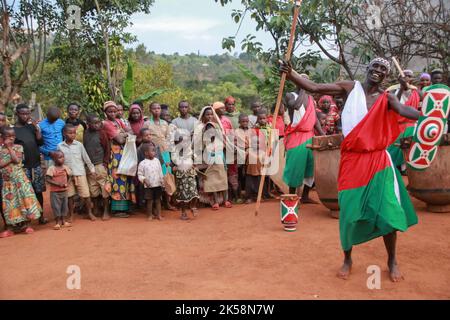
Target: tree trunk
{"type": "Point", "coordinates": [108, 63]}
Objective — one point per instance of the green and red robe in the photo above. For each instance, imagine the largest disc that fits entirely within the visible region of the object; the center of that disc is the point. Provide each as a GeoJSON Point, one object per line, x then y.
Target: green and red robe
{"type": "Point", "coordinates": [372, 196]}
{"type": "Point", "coordinates": [299, 166]}
{"type": "Point", "coordinates": [406, 129]}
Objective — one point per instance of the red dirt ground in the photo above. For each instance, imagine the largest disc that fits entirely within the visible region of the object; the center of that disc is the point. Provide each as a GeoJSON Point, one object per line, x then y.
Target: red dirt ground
{"type": "Point", "coordinates": [229, 254]}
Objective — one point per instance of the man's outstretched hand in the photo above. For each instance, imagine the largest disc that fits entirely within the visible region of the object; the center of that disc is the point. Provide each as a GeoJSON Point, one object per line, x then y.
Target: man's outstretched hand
{"type": "Point", "coordinates": [285, 67]}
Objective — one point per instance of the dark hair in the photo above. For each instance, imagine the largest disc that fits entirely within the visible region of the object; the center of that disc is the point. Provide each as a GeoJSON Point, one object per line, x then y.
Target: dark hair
{"type": "Point", "coordinates": [139, 103]}
{"type": "Point", "coordinates": [261, 112]}
{"type": "Point", "coordinates": [6, 129]}
{"type": "Point", "coordinates": [437, 71]}
{"type": "Point", "coordinates": [147, 146]}
{"type": "Point", "coordinates": [90, 117]}
{"type": "Point", "coordinates": [165, 106]}
{"type": "Point", "coordinates": [242, 116]}
{"type": "Point", "coordinates": [141, 132]}
{"type": "Point", "coordinates": [68, 126]}
{"type": "Point", "coordinates": [73, 104]}
{"type": "Point", "coordinates": [21, 106]}
{"type": "Point", "coordinates": [182, 101]}
{"type": "Point", "coordinates": [154, 103]}
{"type": "Point", "coordinates": [53, 156]}
{"type": "Point", "coordinates": [255, 104]}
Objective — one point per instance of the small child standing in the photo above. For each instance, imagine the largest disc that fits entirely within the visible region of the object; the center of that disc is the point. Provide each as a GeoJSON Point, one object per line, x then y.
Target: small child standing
{"type": "Point", "coordinates": [75, 158]}
{"type": "Point", "coordinates": [186, 194]}
{"type": "Point", "coordinates": [145, 138]}
{"type": "Point", "coordinates": [58, 176]}
{"type": "Point", "coordinates": [259, 142]}
{"type": "Point", "coordinates": [151, 176]}
{"type": "Point", "coordinates": [98, 148]}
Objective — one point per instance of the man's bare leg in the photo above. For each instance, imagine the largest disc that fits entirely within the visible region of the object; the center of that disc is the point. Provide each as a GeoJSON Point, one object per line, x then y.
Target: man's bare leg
{"type": "Point", "coordinates": [390, 241]}
{"type": "Point", "coordinates": [88, 203]}
{"type": "Point", "coordinates": [346, 268]}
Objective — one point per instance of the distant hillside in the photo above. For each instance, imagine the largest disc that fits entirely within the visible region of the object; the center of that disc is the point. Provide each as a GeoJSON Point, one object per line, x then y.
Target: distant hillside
{"type": "Point", "coordinates": [193, 71]}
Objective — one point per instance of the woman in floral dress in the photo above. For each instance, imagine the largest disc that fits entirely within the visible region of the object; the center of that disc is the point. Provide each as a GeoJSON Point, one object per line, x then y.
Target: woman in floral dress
{"type": "Point", "coordinates": [121, 187]}
{"type": "Point", "coordinates": [20, 204]}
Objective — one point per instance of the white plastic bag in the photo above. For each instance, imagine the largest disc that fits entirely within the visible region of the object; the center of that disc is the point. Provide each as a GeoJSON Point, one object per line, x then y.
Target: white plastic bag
{"type": "Point", "coordinates": [129, 162]}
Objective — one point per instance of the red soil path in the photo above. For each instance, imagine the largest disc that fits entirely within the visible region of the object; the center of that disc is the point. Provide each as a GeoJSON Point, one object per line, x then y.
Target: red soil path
{"type": "Point", "coordinates": [229, 254]}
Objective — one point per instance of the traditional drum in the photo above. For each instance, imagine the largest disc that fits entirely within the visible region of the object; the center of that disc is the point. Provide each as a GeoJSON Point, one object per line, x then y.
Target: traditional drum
{"type": "Point", "coordinates": [289, 211]}
{"type": "Point", "coordinates": [327, 155]}
{"type": "Point", "coordinates": [432, 185]}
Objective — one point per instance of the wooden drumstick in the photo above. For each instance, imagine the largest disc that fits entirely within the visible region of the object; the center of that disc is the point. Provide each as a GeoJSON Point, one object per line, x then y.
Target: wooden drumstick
{"type": "Point", "coordinates": [280, 92]}
{"type": "Point", "coordinates": [400, 70]}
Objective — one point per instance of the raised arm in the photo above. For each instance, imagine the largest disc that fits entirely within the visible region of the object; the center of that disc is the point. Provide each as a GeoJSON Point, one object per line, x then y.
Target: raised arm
{"type": "Point", "coordinates": [332, 89]}
{"type": "Point", "coordinates": [402, 110]}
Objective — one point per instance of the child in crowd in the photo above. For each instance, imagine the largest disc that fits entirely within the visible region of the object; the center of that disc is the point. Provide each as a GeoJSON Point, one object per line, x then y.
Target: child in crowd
{"type": "Point", "coordinates": [322, 117]}
{"type": "Point", "coordinates": [145, 138]}
{"type": "Point", "coordinates": [58, 176]}
{"type": "Point", "coordinates": [328, 107]}
{"type": "Point", "coordinates": [76, 158]}
{"type": "Point", "coordinates": [259, 141]}
{"type": "Point", "coordinates": [186, 194]}
{"type": "Point", "coordinates": [20, 204]}
{"type": "Point", "coordinates": [150, 175]}
{"type": "Point", "coordinates": [98, 148]}
{"type": "Point", "coordinates": [242, 143]}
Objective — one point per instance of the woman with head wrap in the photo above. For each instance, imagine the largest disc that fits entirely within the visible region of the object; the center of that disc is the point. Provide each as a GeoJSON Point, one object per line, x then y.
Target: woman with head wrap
{"type": "Point", "coordinates": [208, 151]}
{"type": "Point", "coordinates": [424, 80]}
{"type": "Point", "coordinates": [136, 120]}
{"type": "Point", "coordinates": [121, 187]}
{"type": "Point", "coordinates": [231, 113]}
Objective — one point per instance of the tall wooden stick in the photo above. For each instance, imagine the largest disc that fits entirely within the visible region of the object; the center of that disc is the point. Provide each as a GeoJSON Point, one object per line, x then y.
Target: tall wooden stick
{"type": "Point", "coordinates": [400, 70]}
{"type": "Point", "coordinates": [280, 94]}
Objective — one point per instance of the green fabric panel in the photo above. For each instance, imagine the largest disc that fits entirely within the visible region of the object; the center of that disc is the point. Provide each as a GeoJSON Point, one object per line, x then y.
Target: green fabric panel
{"type": "Point", "coordinates": [299, 165]}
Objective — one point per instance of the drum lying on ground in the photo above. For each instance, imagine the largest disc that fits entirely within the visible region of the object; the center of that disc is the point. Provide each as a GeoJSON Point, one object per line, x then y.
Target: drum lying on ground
{"type": "Point", "coordinates": [432, 185]}
{"type": "Point", "coordinates": [327, 155]}
{"type": "Point", "coordinates": [289, 211]}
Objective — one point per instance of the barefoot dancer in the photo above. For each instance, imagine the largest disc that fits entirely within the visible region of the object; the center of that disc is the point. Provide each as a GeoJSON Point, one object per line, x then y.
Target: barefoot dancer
{"type": "Point", "coordinates": [372, 197]}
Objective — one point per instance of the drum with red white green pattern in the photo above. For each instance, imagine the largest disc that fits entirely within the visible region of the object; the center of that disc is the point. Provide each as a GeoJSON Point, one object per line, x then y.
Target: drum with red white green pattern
{"type": "Point", "coordinates": [430, 127]}
{"type": "Point", "coordinates": [289, 211]}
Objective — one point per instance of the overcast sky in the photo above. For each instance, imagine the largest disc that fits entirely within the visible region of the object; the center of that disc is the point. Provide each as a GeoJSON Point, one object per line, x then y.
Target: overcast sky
{"type": "Point", "coordinates": [189, 26]}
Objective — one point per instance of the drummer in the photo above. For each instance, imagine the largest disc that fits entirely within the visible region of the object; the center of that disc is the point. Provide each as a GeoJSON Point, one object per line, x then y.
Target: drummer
{"type": "Point", "coordinates": [299, 169]}
{"type": "Point", "coordinates": [372, 196]}
{"type": "Point", "coordinates": [410, 96]}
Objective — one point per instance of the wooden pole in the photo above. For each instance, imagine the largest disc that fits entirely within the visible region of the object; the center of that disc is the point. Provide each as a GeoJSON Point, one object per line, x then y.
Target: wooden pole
{"type": "Point", "coordinates": [400, 70]}
{"type": "Point", "coordinates": [280, 95]}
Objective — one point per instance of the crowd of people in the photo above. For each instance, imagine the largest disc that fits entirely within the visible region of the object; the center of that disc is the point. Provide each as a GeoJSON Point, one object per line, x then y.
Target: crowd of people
{"type": "Point", "coordinates": [81, 161]}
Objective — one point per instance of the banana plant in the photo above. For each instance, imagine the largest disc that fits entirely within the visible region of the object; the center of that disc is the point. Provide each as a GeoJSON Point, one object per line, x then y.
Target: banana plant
{"type": "Point", "coordinates": [127, 92]}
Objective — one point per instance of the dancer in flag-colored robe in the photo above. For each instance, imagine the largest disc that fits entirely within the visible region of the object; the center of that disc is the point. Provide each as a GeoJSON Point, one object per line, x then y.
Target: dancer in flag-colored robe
{"type": "Point", "coordinates": [299, 168]}
{"type": "Point", "coordinates": [372, 197]}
